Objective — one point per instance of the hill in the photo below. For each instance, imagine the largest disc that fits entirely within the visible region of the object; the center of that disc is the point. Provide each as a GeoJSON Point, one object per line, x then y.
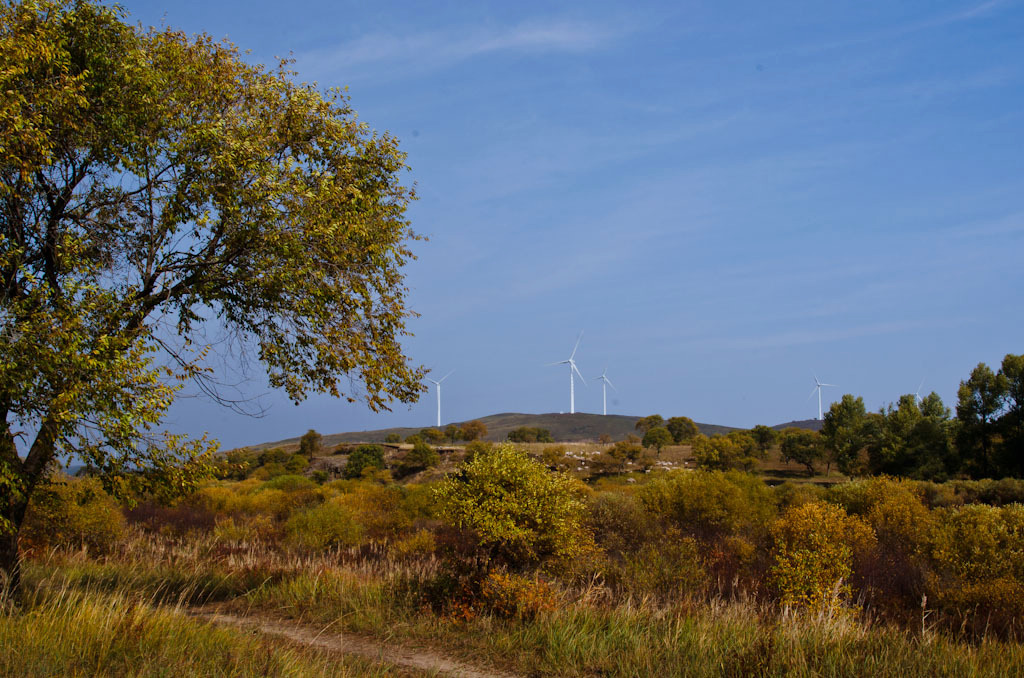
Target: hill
{"type": "Point", "coordinates": [809, 424]}
{"type": "Point", "coordinates": [564, 428]}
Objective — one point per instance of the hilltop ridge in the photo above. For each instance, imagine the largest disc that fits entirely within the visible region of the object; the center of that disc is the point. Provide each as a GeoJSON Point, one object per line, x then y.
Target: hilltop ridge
{"type": "Point", "coordinates": [564, 428]}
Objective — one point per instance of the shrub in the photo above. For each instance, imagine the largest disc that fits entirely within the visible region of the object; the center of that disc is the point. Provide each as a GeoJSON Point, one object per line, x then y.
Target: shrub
{"type": "Point", "coordinates": [419, 543]}
{"type": "Point", "coordinates": [529, 434]}
{"type": "Point", "coordinates": [788, 495]}
{"type": "Point", "coordinates": [815, 545]}
{"type": "Point", "coordinates": [73, 512]}
{"type": "Point", "coordinates": [419, 458]}
{"type": "Point", "coordinates": [669, 568]}
{"type": "Point", "coordinates": [378, 508]}
{"type": "Point", "coordinates": [241, 530]}
{"type": "Point", "coordinates": [978, 555]}
{"type": "Point", "coordinates": [361, 458]}
{"type": "Point", "coordinates": [289, 483]}
{"type": "Point", "coordinates": [520, 512]}
{"type": "Point", "coordinates": [392, 438]}
{"type": "Point", "coordinates": [475, 447]}
{"type": "Point", "coordinates": [709, 503]}
{"type": "Point", "coordinates": [329, 525]}
{"type": "Point", "coordinates": [296, 463]}
{"type": "Point", "coordinates": [894, 508]}
{"type": "Point", "coordinates": [724, 452]}
{"type": "Point", "coordinates": [893, 574]}
{"type": "Point", "coordinates": [626, 449]}
{"type": "Point", "coordinates": [619, 522]}
{"type": "Point", "coordinates": [274, 455]}
{"type": "Point", "coordinates": [508, 596]}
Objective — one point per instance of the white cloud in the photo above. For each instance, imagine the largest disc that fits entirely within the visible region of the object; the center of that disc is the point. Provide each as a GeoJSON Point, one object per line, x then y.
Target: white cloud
{"type": "Point", "coordinates": [439, 49]}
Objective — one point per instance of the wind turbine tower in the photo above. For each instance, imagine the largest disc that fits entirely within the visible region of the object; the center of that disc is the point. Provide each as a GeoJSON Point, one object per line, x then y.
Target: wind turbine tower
{"type": "Point", "coordinates": [605, 383]}
{"type": "Point", "coordinates": [437, 385]}
{"type": "Point", "coordinates": [817, 387]}
{"type": "Point", "coordinates": [572, 368]}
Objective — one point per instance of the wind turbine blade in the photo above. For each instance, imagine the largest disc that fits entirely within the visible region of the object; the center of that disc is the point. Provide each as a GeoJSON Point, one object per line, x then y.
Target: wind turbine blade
{"type": "Point", "coordinates": [446, 376]}
{"type": "Point", "coordinates": [833, 385]}
{"type": "Point", "coordinates": [560, 362]}
{"type": "Point", "coordinates": [574, 369]}
{"type": "Point", "coordinates": [609, 382]}
{"type": "Point", "coordinates": [437, 383]}
{"type": "Point", "coordinates": [573, 354]}
{"type": "Point", "coordinates": [813, 391]}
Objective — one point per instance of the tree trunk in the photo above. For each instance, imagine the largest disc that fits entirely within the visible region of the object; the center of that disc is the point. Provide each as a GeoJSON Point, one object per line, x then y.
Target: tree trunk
{"type": "Point", "coordinates": [10, 568]}
{"type": "Point", "coordinates": [10, 560]}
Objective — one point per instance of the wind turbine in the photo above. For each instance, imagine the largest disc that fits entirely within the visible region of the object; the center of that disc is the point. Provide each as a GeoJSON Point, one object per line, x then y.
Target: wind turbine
{"type": "Point", "coordinates": [917, 393]}
{"type": "Point", "coordinates": [437, 384]}
{"type": "Point", "coordinates": [817, 387]}
{"type": "Point", "coordinates": [572, 368]}
{"type": "Point", "coordinates": [604, 388]}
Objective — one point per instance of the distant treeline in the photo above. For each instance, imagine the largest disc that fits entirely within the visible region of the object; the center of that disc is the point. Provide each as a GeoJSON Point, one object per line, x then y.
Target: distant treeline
{"type": "Point", "coordinates": [916, 437]}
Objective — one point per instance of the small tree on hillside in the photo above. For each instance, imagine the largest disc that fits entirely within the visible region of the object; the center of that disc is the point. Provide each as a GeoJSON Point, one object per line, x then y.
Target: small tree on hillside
{"type": "Point", "coordinates": [452, 432]}
{"type": "Point", "coordinates": [682, 429]}
{"type": "Point", "coordinates": [803, 447]}
{"type": "Point", "coordinates": [310, 444]}
{"type": "Point", "coordinates": [361, 458]}
{"type": "Point", "coordinates": [647, 423]}
{"type": "Point", "coordinates": [473, 430]}
{"type": "Point", "coordinates": [764, 436]}
{"type": "Point", "coordinates": [433, 435]}
{"type": "Point", "coordinates": [658, 437]}
{"type": "Point", "coordinates": [845, 432]}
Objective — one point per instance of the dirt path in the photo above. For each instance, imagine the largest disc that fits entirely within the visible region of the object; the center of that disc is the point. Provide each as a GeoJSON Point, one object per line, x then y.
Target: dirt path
{"type": "Point", "coordinates": [369, 648]}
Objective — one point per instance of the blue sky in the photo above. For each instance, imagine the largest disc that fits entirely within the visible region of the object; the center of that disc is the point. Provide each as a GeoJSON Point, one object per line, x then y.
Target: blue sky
{"type": "Point", "coordinates": [727, 198]}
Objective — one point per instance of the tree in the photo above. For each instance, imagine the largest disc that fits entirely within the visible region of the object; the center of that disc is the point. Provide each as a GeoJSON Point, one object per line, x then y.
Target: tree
{"type": "Point", "coordinates": [980, 400]}
{"type": "Point", "coordinates": [155, 188]}
{"type": "Point", "coordinates": [657, 437]}
{"type": "Point", "coordinates": [529, 434]}
{"type": "Point", "coordinates": [361, 458]}
{"type": "Point", "coordinates": [433, 435]}
{"type": "Point", "coordinates": [911, 439]}
{"type": "Point", "coordinates": [472, 430]}
{"type": "Point", "coordinates": [419, 458]}
{"type": "Point", "coordinates": [802, 446]}
{"type": "Point", "coordinates": [722, 453]}
{"type": "Point", "coordinates": [1011, 424]}
{"type": "Point", "coordinates": [647, 423]}
{"type": "Point", "coordinates": [519, 512]}
{"type": "Point", "coordinates": [844, 433]}
{"type": "Point", "coordinates": [682, 429]}
{"type": "Point", "coordinates": [764, 436]}
{"type": "Point", "coordinates": [452, 432]}
{"type": "Point", "coordinates": [310, 444]}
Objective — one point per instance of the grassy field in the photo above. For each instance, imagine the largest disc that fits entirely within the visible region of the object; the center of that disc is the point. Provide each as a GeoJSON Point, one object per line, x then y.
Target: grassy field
{"type": "Point", "coordinates": [677, 572]}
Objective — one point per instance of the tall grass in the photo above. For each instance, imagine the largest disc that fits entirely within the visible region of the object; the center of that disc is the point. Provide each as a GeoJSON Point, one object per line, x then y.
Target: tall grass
{"type": "Point", "coordinates": [67, 631]}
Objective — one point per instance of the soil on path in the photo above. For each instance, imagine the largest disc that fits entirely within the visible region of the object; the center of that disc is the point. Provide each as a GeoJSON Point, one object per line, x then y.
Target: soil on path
{"type": "Point", "coordinates": [420, 659]}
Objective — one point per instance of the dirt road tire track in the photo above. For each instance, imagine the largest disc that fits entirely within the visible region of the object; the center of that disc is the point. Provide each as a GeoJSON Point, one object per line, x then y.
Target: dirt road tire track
{"type": "Point", "coordinates": [362, 646]}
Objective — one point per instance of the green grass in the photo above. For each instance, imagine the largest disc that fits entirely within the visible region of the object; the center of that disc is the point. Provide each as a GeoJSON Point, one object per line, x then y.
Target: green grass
{"type": "Point", "coordinates": [585, 637]}
{"type": "Point", "coordinates": [77, 632]}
